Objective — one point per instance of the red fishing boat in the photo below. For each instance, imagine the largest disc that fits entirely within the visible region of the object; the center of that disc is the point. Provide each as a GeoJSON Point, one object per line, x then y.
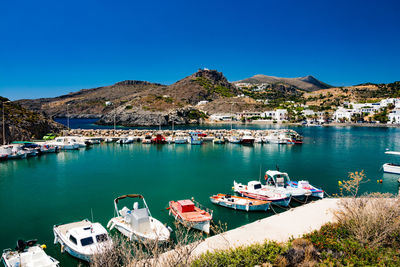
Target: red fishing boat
{"type": "Point", "coordinates": [191, 214]}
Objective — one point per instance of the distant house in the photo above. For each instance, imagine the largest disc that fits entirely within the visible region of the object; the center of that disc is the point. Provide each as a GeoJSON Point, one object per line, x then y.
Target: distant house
{"type": "Point", "coordinates": [203, 102]}
{"type": "Point", "coordinates": [221, 117]}
{"type": "Point", "coordinates": [343, 114]}
{"type": "Point", "coordinates": [276, 115]}
{"type": "Point", "coordinates": [394, 116]}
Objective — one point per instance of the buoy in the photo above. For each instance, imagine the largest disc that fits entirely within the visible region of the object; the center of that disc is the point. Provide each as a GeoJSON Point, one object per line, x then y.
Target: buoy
{"type": "Point", "coordinates": [381, 181]}
{"type": "Point", "coordinates": [43, 246]}
{"type": "Point", "coordinates": [340, 182]}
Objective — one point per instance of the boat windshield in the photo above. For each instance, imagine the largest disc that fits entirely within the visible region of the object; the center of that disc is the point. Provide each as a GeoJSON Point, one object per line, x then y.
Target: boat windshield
{"type": "Point", "coordinates": [86, 241]}
{"type": "Point", "coordinates": [101, 238]}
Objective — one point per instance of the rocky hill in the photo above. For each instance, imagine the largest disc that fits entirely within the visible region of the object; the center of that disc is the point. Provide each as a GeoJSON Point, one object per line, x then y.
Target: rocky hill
{"type": "Point", "coordinates": [24, 124]}
{"type": "Point", "coordinates": [138, 102]}
{"type": "Point", "coordinates": [307, 83]}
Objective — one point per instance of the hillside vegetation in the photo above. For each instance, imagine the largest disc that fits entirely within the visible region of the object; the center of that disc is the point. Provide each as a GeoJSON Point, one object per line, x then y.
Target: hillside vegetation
{"type": "Point", "coordinates": [24, 124]}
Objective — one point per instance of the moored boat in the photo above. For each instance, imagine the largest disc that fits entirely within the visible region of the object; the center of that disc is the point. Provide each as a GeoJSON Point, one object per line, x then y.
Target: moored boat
{"type": "Point", "coordinates": [138, 224]}
{"type": "Point", "coordinates": [247, 138]}
{"type": "Point", "coordinates": [240, 203]}
{"type": "Point", "coordinates": [191, 214]}
{"type": "Point", "coordinates": [29, 254]}
{"type": "Point", "coordinates": [279, 181]}
{"type": "Point", "coordinates": [392, 167]}
{"type": "Point", "coordinates": [181, 138]}
{"type": "Point", "coordinates": [64, 143]}
{"type": "Point", "coordinates": [254, 189]}
{"type": "Point", "coordinates": [82, 239]}
{"type": "Point", "coordinates": [195, 138]}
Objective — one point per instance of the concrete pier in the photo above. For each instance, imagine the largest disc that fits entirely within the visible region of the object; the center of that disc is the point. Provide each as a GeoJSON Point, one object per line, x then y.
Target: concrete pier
{"type": "Point", "coordinates": [280, 227]}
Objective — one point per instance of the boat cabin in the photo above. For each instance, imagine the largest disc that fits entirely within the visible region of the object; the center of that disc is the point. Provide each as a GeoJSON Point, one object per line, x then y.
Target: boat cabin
{"type": "Point", "coordinates": [185, 206]}
{"type": "Point", "coordinates": [254, 185]}
{"type": "Point", "coordinates": [276, 178]}
{"type": "Point", "coordinates": [137, 218]}
{"type": "Point", "coordinates": [87, 236]}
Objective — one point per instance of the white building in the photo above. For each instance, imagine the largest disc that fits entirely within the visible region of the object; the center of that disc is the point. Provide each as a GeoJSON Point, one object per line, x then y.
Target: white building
{"type": "Point", "coordinates": [343, 114]}
{"type": "Point", "coordinates": [203, 102]}
{"type": "Point", "coordinates": [394, 116]}
{"type": "Point", "coordinates": [276, 115]}
{"type": "Point", "coordinates": [308, 112]}
{"type": "Point", "coordinates": [221, 117]}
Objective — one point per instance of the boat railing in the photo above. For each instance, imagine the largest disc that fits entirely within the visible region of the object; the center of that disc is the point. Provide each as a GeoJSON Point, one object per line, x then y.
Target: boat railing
{"type": "Point", "coordinates": [200, 206]}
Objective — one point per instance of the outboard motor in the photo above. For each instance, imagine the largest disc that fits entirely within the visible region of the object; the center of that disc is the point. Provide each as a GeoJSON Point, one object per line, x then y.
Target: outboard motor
{"type": "Point", "coordinates": [21, 245]}
{"type": "Point", "coordinates": [135, 206]}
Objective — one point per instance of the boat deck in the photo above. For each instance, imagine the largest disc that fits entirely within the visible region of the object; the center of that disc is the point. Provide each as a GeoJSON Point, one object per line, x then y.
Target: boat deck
{"type": "Point", "coordinates": [198, 215]}
{"type": "Point", "coordinates": [64, 228]}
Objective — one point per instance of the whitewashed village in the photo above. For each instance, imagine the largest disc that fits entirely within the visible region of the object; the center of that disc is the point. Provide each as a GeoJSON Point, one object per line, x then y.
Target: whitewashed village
{"type": "Point", "coordinates": [384, 111]}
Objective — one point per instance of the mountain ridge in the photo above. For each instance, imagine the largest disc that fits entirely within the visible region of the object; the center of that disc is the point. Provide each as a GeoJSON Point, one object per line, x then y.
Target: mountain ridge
{"type": "Point", "coordinates": [307, 83]}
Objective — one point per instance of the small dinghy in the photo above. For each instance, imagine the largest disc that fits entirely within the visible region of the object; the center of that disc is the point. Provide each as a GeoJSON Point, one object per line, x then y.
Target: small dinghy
{"type": "Point", "coordinates": [254, 189]}
{"type": "Point", "coordinates": [315, 192]}
{"type": "Point", "coordinates": [137, 224]}
{"type": "Point", "coordinates": [28, 254]}
{"type": "Point", "coordinates": [191, 214]}
{"type": "Point", "coordinates": [240, 203]}
{"type": "Point", "coordinates": [82, 239]}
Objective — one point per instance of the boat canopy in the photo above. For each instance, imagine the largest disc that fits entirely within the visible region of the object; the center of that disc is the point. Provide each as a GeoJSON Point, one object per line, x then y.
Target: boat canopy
{"type": "Point", "coordinates": [393, 153]}
{"type": "Point", "coordinates": [128, 196]}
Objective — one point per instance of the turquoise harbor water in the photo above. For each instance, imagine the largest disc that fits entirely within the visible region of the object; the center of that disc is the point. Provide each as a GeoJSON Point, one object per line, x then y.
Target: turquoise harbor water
{"type": "Point", "coordinates": [39, 192]}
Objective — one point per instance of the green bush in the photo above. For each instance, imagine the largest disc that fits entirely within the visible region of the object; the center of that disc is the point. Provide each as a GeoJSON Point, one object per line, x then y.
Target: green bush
{"type": "Point", "coordinates": [242, 256]}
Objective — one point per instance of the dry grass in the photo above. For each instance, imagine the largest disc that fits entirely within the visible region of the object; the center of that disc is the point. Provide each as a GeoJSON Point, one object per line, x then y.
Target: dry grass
{"type": "Point", "coordinates": [177, 252]}
{"type": "Point", "coordinates": [301, 253]}
{"type": "Point", "coordinates": [372, 219]}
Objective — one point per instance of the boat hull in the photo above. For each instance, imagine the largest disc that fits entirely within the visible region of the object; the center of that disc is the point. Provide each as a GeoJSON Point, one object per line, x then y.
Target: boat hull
{"type": "Point", "coordinates": [391, 168]}
{"type": "Point", "coordinates": [235, 206]}
{"type": "Point", "coordinates": [284, 202]}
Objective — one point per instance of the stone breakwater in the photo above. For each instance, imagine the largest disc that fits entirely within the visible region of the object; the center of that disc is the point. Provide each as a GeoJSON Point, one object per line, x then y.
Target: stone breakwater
{"type": "Point", "coordinates": [102, 133]}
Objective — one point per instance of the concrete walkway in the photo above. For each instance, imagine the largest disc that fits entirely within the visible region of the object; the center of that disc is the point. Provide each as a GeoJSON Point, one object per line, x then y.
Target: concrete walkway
{"type": "Point", "coordinates": [280, 227]}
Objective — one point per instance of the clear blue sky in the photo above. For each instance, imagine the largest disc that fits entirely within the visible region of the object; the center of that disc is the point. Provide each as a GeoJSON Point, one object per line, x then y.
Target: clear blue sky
{"type": "Point", "coordinates": [49, 48]}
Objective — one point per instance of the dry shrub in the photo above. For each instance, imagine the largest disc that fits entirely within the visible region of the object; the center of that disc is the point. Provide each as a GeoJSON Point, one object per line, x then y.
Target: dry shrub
{"type": "Point", "coordinates": [351, 186]}
{"type": "Point", "coordinates": [372, 219]}
{"type": "Point", "coordinates": [301, 253]}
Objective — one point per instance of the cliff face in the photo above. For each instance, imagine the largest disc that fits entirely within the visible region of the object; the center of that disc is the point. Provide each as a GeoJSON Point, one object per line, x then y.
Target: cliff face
{"type": "Point", "coordinates": [148, 118]}
{"type": "Point", "coordinates": [23, 124]}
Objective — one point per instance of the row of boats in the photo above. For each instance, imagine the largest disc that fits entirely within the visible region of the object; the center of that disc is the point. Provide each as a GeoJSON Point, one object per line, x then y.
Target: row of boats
{"type": "Point", "coordinates": [197, 138]}
{"type": "Point", "coordinates": [83, 239]}
{"type": "Point", "coordinates": [23, 149]}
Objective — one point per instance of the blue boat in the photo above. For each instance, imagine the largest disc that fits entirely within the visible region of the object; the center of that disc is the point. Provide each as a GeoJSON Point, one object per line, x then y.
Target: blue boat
{"type": "Point", "coordinates": [195, 138]}
{"type": "Point", "coordinates": [240, 203]}
{"type": "Point", "coordinates": [315, 192]}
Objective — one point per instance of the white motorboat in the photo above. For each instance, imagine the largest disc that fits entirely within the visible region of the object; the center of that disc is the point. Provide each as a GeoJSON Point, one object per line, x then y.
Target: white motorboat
{"type": "Point", "coordinates": [82, 239]}
{"type": "Point", "coordinates": [108, 140]}
{"type": "Point", "coordinates": [274, 138]}
{"type": "Point", "coordinates": [170, 140]}
{"type": "Point", "coordinates": [146, 139]}
{"type": "Point", "coordinates": [81, 141]}
{"type": "Point", "coordinates": [234, 139]}
{"type": "Point", "coordinates": [64, 143]}
{"type": "Point", "coordinates": [28, 254]}
{"type": "Point", "coordinates": [392, 167]}
{"type": "Point", "coordinates": [180, 138]}
{"type": "Point", "coordinates": [279, 181]}
{"type": "Point", "coordinates": [13, 151]}
{"type": "Point", "coordinates": [254, 189]}
{"type": "Point", "coordinates": [247, 138]}
{"type": "Point", "coordinates": [138, 224]}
